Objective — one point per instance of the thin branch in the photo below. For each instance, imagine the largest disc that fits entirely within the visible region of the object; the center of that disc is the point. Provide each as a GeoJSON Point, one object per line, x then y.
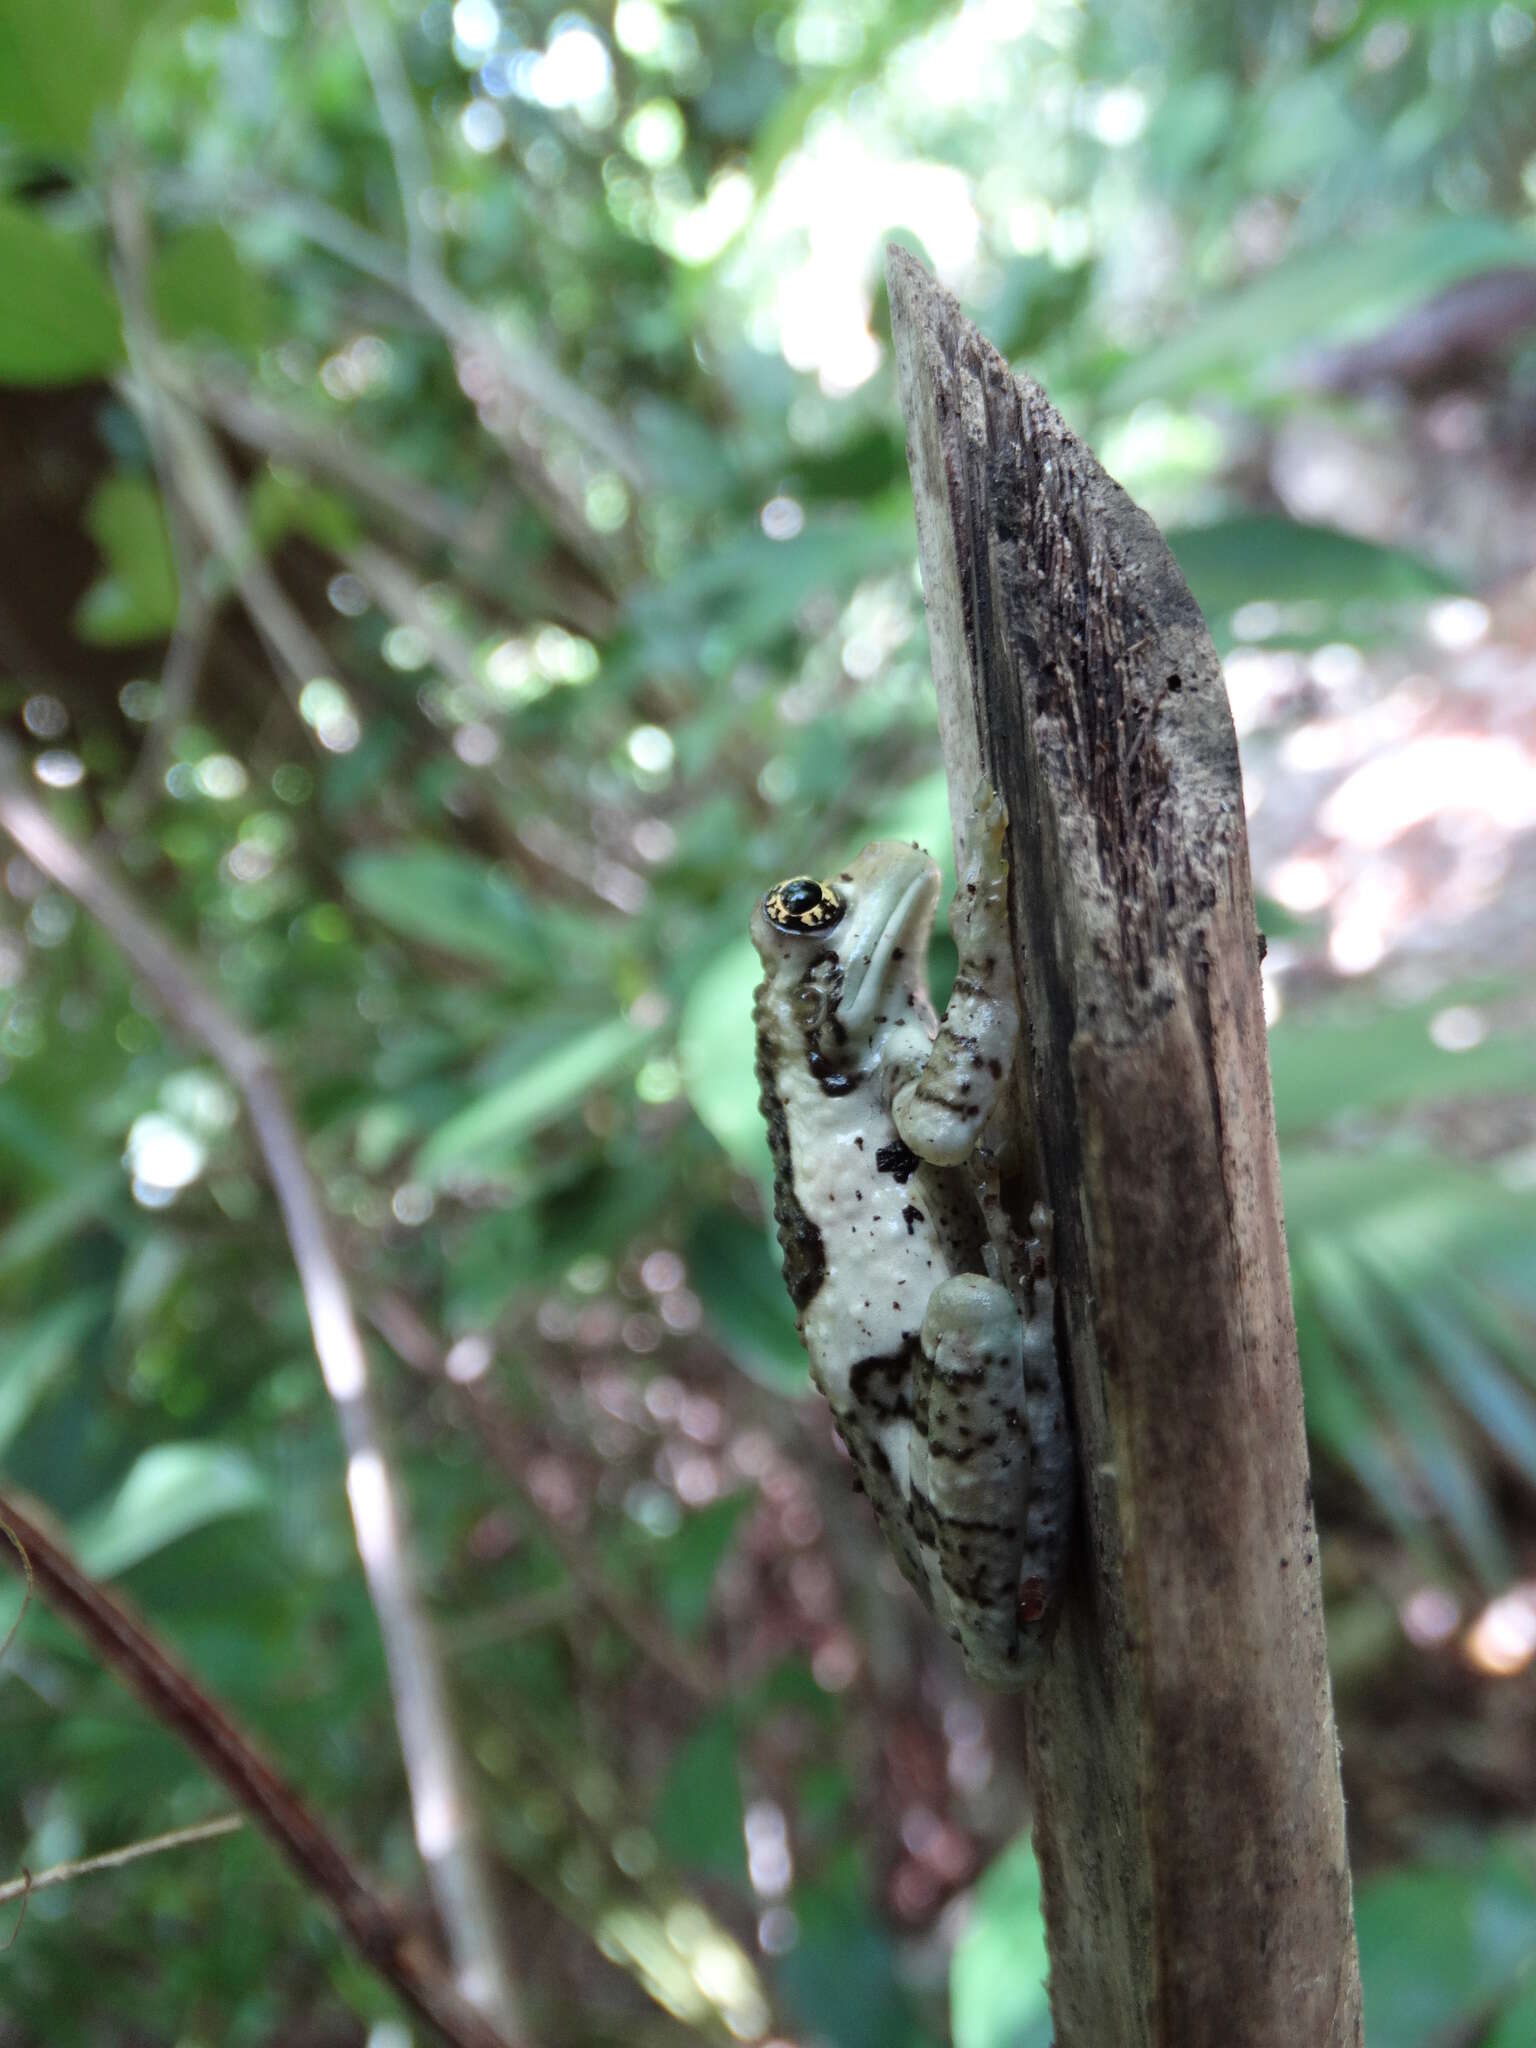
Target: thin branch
{"type": "Point", "coordinates": [407, 1335]}
{"type": "Point", "coordinates": [179, 1703]}
{"type": "Point", "coordinates": [113, 1859]}
{"type": "Point", "coordinates": [193, 473]}
{"type": "Point", "coordinates": [434, 1766]}
{"type": "Point", "coordinates": [428, 515]}
{"type": "Point", "coordinates": [213, 498]}
{"type": "Point", "coordinates": [525, 375]}
{"type": "Point", "coordinates": [521, 376]}
{"type": "Point", "coordinates": [196, 609]}
{"type": "Point", "coordinates": [396, 589]}
{"type": "Point", "coordinates": [179, 678]}
{"type": "Point", "coordinates": [403, 133]}
{"type": "Point", "coordinates": [278, 434]}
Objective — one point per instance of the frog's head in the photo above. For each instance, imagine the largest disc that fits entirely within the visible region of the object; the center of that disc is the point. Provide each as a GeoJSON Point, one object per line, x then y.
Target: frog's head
{"type": "Point", "coordinates": [846, 959]}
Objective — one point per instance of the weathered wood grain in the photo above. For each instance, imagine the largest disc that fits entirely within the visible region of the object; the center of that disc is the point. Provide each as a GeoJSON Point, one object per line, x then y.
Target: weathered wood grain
{"type": "Point", "coordinates": [1189, 1819]}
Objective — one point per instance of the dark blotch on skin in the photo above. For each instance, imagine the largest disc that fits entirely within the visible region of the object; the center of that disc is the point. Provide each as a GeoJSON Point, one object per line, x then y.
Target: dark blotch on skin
{"type": "Point", "coordinates": [881, 1380]}
{"type": "Point", "coordinates": [898, 1160]}
{"type": "Point", "coordinates": [805, 1255]}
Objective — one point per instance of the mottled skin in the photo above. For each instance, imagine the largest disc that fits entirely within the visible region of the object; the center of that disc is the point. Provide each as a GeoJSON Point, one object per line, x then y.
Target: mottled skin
{"type": "Point", "coordinates": [947, 1395]}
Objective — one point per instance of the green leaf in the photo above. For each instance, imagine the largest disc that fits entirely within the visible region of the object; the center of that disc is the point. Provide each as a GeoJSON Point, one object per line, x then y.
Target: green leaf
{"type": "Point", "coordinates": [716, 1051]}
{"type": "Point", "coordinates": [842, 1978]}
{"type": "Point", "coordinates": [1516, 2025]}
{"type": "Point", "coordinates": [997, 1995]}
{"type": "Point", "coordinates": [36, 1352]}
{"type": "Point", "coordinates": [1404, 1203]}
{"type": "Point", "coordinates": [1236, 342]}
{"type": "Point", "coordinates": [137, 598]}
{"type": "Point", "coordinates": [1468, 1371]}
{"type": "Point", "coordinates": [1339, 1420]}
{"type": "Point", "coordinates": [62, 62]}
{"type": "Point", "coordinates": [1351, 1309]}
{"type": "Point", "coordinates": [47, 1224]}
{"type": "Point", "coordinates": [700, 1819]}
{"type": "Point", "coordinates": [1341, 581]}
{"type": "Point", "coordinates": [170, 1491]}
{"type": "Point", "coordinates": [1356, 1055]}
{"type": "Point", "coordinates": [1426, 10]}
{"type": "Point", "coordinates": [280, 504]}
{"type": "Point", "coordinates": [735, 1268]}
{"type": "Point", "coordinates": [686, 1562]}
{"type": "Point", "coordinates": [201, 289]}
{"type": "Point", "coordinates": [745, 593]}
{"type": "Point", "coordinates": [59, 319]}
{"type": "Point", "coordinates": [546, 1088]}
{"type": "Point", "coordinates": [1438, 1946]}
{"type": "Point", "coordinates": [451, 902]}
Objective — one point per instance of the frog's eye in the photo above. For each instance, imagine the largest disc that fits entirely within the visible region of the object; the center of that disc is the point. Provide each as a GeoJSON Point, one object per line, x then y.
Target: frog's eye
{"type": "Point", "coordinates": [801, 906]}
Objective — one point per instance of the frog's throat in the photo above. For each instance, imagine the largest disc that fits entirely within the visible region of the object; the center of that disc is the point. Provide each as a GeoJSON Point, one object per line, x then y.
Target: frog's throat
{"type": "Point", "coordinates": [891, 912]}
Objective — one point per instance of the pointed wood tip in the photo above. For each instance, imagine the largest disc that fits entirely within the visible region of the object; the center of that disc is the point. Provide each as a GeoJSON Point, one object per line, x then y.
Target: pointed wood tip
{"type": "Point", "coordinates": [915, 293]}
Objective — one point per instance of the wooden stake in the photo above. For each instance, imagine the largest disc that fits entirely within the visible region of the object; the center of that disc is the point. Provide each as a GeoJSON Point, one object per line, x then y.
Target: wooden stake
{"type": "Point", "coordinates": [1188, 1814]}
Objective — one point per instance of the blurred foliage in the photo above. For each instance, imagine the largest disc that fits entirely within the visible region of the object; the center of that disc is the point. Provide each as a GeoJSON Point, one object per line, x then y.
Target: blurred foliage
{"type": "Point", "coordinates": [457, 547]}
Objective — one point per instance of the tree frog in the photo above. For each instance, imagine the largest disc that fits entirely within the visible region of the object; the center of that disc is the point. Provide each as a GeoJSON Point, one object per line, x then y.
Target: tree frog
{"type": "Point", "coordinates": [905, 1274]}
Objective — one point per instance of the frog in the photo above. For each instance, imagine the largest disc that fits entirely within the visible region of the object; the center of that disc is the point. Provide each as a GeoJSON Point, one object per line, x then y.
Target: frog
{"type": "Point", "coordinates": [930, 1322]}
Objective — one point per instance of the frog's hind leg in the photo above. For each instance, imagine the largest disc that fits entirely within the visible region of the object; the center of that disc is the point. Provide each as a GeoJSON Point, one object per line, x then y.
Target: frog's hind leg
{"type": "Point", "coordinates": [970, 1509]}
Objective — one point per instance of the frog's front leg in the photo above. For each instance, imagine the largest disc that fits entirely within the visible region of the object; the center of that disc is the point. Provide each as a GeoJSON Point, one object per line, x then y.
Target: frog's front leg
{"type": "Point", "coordinates": [941, 1110]}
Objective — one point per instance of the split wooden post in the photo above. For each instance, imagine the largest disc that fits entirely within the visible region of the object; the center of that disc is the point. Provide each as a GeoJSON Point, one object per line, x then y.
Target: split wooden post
{"type": "Point", "coordinates": [1188, 1814]}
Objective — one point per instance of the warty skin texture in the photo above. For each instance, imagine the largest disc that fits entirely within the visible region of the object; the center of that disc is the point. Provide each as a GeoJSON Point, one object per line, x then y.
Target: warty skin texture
{"type": "Point", "coordinates": [939, 1382]}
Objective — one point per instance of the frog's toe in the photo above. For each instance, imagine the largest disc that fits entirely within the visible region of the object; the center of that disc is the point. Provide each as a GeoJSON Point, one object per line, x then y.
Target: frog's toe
{"type": "Point", "coordinates": [991, 811]}
{"type": "Point", "coordinates": [984, 859]}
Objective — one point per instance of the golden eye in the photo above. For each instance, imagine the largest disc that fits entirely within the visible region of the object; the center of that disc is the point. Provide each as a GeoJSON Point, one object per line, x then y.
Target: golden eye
{"type": "Point", "coordinates": [801, 906]}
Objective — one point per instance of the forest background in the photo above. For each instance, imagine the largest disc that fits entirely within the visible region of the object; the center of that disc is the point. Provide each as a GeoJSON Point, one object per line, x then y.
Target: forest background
{"type": "Point", "coordinates": [455, 550]}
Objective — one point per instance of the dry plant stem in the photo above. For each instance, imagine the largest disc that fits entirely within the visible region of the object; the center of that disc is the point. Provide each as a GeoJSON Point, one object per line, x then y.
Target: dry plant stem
{"type": "Point", "coordinates": [1189, 1819]}
{"type": "Point", "coordinates": [114, 1859]}
{"type": "Point", "coordinates": [180, 1704]}
{"type": "Point", "coordinates": [434, 1766]}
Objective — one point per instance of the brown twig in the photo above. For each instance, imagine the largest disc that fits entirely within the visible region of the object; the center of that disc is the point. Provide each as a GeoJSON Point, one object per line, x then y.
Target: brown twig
{"type": "Point", "coordinates": [435, 1769]}
{"type": "Point", "coordinates": [24, 1564]}
{"type": "Point", "coordinates": [114, 1859]}
{"type": "Point", "coordinates": [179, 1703]}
